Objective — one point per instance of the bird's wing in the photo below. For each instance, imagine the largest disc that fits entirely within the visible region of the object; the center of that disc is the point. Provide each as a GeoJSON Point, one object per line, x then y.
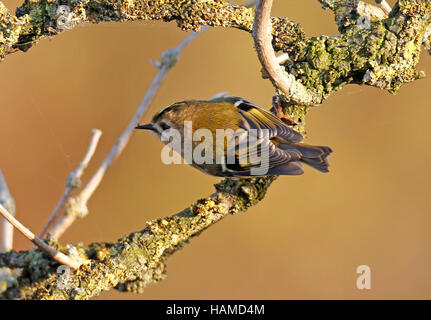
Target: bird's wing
{"type": "Point", "coordinates": [261, 157]}
{"type": "Point", "coordinates": [257, 118]}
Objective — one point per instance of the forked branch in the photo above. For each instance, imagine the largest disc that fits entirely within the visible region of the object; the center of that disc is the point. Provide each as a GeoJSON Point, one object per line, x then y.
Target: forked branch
{"type": "Point", "coordinates": [56, 255]}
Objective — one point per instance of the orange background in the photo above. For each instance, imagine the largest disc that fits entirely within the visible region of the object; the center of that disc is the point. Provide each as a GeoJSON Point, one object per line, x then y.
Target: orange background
{"type": "Point", "coordinates": [304, 240]}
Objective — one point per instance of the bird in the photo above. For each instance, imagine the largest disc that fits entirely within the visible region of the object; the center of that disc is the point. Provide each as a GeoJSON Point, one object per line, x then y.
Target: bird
{"type": "Point", "coordinates": [258, 143]}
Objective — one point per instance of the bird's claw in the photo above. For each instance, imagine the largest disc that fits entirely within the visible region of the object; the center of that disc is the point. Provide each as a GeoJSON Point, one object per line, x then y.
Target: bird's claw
{"type": "Point", "coordinates": [280, 114]}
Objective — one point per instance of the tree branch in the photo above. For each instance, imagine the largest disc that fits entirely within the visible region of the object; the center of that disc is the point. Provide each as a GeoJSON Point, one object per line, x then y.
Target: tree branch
{"type": "Point", "coordinates": [7, 210]}
{"type": "Point", "coordinates": [56, 255]}
{"type": "Point", "coordinates": [322, 64]}
{"type": "Point", "coordinates": [371, 48]}
{"type": "Point", "coordinates": [139, 258]}
{"type": "Point", "coordinates": [36, 20]}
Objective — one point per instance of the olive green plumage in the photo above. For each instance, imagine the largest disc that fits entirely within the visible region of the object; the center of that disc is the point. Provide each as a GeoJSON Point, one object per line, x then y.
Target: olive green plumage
{"type": "Point", "coordinates": [285, 152]}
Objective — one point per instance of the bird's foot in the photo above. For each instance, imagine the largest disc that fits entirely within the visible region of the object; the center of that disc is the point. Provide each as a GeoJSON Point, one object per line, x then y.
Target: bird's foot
{"type": "Point", "coordinates": [280, 114]}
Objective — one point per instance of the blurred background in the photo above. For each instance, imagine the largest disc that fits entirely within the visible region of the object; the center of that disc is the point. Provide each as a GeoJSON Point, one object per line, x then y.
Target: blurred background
{"type": "Point", "coordinates": [303, 241]}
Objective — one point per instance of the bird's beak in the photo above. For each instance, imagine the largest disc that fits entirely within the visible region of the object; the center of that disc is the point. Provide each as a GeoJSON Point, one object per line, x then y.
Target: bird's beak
{"type": "Point", "coordinates": [148, 126]}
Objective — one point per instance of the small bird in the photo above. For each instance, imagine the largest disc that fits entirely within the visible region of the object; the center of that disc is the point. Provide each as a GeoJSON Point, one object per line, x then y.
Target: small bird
{"type": "Point", "coordinates": [284, 150]}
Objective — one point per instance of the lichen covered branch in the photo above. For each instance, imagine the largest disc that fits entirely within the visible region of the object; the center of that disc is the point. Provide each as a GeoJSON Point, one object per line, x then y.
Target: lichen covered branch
{"type": "Point", "coordinates": [383, 53]}
{"type": "Point", "coordinates": [36, 20]}
{"type": "Point", "coordinates": [136, 260]}
{"type": "Point", "coordinates": [372, 49]}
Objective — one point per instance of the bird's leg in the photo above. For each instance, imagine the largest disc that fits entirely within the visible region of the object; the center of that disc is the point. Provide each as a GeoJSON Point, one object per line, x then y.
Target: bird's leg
{"type": "Point", "coordinates": [276, 103]}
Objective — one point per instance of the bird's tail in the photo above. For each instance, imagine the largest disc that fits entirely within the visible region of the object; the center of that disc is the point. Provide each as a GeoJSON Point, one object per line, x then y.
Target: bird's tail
{"type": "Point", "coordinates": [314, 156]}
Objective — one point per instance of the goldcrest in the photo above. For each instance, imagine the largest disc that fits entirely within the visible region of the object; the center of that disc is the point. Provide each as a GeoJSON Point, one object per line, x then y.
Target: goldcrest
{"type": "Point", "coordinates": [253, 142]}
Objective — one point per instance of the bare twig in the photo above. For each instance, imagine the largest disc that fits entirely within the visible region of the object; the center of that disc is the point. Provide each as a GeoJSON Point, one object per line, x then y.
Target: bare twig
{"type": "Point", "coordinates": [8, 202]}
{"type": "Point", "coordinates": [57, 256]}
{"type": "Point", "coordinates": [385, 6]}
{"type": "Point", "coordinates": [74, 179]}
{"type": "Point", "coordinates": [294, 91]}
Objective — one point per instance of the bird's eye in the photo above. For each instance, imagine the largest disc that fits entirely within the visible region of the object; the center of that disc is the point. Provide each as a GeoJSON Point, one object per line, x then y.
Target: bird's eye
{"type": "Point", "coordinates": [164, 126]}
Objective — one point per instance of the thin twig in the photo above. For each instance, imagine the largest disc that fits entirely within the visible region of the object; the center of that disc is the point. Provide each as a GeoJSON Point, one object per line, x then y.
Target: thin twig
{"type": "Point", "coordinates": [294, 91]}
{"type": "Point", "coordinates": [74, 179]}
{"type": "Point", "coordinates": [386, 7]}
{"type": "Point", "coordinates": [8, 202]}
{"type": "Point", "coordinates": [56, 255]}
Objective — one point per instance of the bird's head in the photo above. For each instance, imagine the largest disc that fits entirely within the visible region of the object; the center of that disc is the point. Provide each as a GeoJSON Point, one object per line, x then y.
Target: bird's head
{"type": "Point", "coordinates": [171, 117]}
